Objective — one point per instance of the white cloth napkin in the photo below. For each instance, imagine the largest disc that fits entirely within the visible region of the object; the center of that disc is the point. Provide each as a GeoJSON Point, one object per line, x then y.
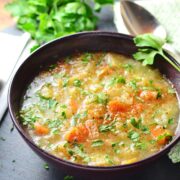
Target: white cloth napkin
{"type": "Point", "coordinates": [11, 47]}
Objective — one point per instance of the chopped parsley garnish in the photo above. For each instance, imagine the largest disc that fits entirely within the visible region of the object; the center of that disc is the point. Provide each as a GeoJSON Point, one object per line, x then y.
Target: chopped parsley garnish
{"type": "Point", "coordinates": [136, 123]}
{"type": "Point", "coordinates": [127, 66]}
{"type": "Point", "coordinates": [133, 84]}
{"type": "Point", "coordinates": [141, 145]}
{"type": "Point", "coordinates": [167, 136]}
{"type": "Point", "coordinates": [150, 82]}
{"type": "Point", "coordinates": [68, 178]}
{"type": "Point", "coordinates": [28, 116]}
{"type": "Point", "coordinates": [97, 143]}
{"type": "Point", "coordinates": [78, 116]}
{"type": "Point", "coordinates": [12, 128]}
{"type": "Point", "coordinates": [170, 121]}
{"type": "Point", "coordinates": [55, 125]}
{"type": "Point", "coordinates": [52, 103]}
{"type": "Point", "coordinates": [46, 166]}
{"type": "Point", "coordinates": [65, 82]}
{"type": "Point", "coordinates": [77, 83]}
{"type": "Point", "coordinates": [108, 159]}
{"type": "Point", "coordinates": [171, 91]}
{"type": "Point", "coordinates": [117, 80]}
{"type": "Point", "coordinates": [77, 150]}
{"type": "Point", "coordinates": [101, 98]}
{"type": "Point", "coordinates": [159, 94]}
{"type": "Point", "coordinates": [86, 58]}
{"type": "Point", "coordinates": [63, 106]}
{"type": "Point", "coordinates": [134, 136]}
{"type": "Point", "coordinates": [63, 114]}
{"type": "Point", "coordinates": [107, 127]}
{"type": "Point", "coordinates": [114, 144]}
{"type": "Point", "coordinates": [52, 66]}
{"type": "Point", "coordinates": [116, 147]}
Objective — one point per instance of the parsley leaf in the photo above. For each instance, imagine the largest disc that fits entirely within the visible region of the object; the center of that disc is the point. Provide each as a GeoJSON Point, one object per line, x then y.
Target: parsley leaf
{"type": "Point", "coordinates": [68, 178]}
{"type": "Point", "coordinates": [170, 121]}
{"type": "Point", "coordinates": [133, 135]}
{"type": "Point", "coordinates": [77, 83]}
{"type": "Point", "coordinates": [174, 154]}
{"type": "Point", "coordinates": [107, 127]}
{"type": "Point", "coordinates": [149, 46]}
{"type": "Point", "coordinates": [117, 80]}
{"type": "Point", "coordinates": [136, 123]}
{"type": "Point", "coordinates": [97, 143]}
{"type": "Point", "coordinates": [46, 166]}
{"type": "Point", "coordinates": [101, 98]}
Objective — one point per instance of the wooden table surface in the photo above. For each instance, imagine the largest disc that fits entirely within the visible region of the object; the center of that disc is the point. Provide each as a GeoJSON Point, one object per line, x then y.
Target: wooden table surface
{"type": "Point", "coordinates": [19, 162]}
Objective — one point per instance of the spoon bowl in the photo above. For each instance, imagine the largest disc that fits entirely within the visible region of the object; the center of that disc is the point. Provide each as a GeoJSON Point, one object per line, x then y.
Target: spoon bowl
{"type": "Point", "coordinates": [140, 21]}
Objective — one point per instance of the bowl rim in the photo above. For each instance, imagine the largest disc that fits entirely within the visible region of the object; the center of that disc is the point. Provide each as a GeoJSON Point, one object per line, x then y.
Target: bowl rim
{"type": "Point", "coordinates": [60, 160]}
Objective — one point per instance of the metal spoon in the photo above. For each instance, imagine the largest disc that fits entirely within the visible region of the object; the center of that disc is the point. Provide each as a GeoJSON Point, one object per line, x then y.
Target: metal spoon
{"type": "Point", "coordinates": [139, 21]}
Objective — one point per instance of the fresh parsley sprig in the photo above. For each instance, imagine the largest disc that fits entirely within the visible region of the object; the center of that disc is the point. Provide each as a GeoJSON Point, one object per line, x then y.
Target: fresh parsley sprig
{"type": "Point", "coordinates": [46, 20]}
{"type": "Point", "coordinates": [149, 46]}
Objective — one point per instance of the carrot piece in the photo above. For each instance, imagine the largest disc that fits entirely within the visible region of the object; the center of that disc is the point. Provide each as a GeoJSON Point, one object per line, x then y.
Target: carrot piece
{"type": "Point", "coordinates": [162, 141]}
{"type": "Point", "coordinates": [115, 107]}
{"type": "Point", "coordinates": [157, 131]}
{"type": "Point", "coordinates": [41, 129]}
{"type": "Point", "coordinates": [161, 135]}
{"type": "Point", "coordinates": [77, 134]}
{"type": "Point", "coordinates": [74, 105]}
{"type": "Point", "coordinates": [148, 95]}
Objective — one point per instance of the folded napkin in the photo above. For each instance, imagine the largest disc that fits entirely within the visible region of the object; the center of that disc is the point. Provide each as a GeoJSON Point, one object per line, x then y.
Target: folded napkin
{"type": "Point", "coordinates": [11, 47]}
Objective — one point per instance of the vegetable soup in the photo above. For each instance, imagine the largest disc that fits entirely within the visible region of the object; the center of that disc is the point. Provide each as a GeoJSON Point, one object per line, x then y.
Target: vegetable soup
{"type": "Point", "coordinates": [100, 109]}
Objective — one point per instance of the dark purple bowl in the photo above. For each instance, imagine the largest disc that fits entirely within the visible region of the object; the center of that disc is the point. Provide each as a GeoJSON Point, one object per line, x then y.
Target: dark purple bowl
{"type": "Point", "coordinates": [55, 50]}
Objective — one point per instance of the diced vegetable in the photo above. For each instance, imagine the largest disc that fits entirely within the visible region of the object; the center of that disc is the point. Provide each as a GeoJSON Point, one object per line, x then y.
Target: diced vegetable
{"type": "Point", "coordinates": [74, 105]}
{"type": "Point", "coordinates": [149, 95]}
{"type": "Point", "coordinates": [40, 129]}
{"type": "Point", "coordinates": [77, 134]}
{"type": "Point", "coordinates": [115, 107]}
{"type": "Point", "coordinates": [161, 135]}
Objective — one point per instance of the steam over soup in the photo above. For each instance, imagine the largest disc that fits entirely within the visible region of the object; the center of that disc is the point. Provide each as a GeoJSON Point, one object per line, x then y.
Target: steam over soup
{"type": "Point", "coordinates": [100, 109]}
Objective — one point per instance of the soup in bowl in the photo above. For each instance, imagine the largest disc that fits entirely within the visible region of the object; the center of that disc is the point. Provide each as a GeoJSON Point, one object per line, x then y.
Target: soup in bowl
{"type": "Point", "coordinates": [100, 109]}
{"type": "Point", "coordinates": [91, 107]}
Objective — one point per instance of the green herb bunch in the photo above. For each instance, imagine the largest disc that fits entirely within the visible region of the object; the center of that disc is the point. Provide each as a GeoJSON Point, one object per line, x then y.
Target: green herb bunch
{"type": "Point", "coordinates": [48, 19]}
